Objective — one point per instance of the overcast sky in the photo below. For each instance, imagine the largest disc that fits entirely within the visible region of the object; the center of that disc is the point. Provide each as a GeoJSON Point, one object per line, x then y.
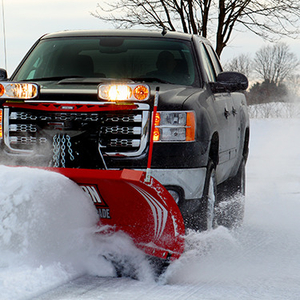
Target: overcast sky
{"type": "Point", "coordinates": [27, 20]}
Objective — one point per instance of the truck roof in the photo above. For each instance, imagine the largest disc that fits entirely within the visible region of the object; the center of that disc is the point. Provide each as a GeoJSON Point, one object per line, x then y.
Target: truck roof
{"type": "Point", "coordinates": [115, 32]}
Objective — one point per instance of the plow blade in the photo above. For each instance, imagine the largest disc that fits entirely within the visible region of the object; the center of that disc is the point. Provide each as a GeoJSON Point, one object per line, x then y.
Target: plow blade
{"type": "Point", "coordinates": [145, 211]}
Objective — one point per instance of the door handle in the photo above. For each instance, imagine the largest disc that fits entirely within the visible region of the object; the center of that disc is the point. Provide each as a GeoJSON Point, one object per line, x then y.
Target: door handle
{"type": "Point", "coordinates": [226, 113]}
{"type": "Point", "coordinates": [233, 111]}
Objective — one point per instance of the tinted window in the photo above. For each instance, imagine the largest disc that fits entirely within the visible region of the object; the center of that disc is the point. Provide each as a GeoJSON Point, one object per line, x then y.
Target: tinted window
{"type": "Point", "coordinates": [111, 57]}
{"type": "Point", "coordinates": [207, 64]}
{"type": "Point", "coordinates": [214, 59]}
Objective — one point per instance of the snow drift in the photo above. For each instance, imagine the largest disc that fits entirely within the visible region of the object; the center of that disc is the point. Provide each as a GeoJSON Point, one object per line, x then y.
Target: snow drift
{"type": "Point", "coordinates": [48, 233]}
{"type": "Point", "coordinates": [42, 214]}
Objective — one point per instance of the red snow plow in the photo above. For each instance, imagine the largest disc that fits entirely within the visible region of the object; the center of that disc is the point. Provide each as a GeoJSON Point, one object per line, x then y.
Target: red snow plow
{"type": "Point", "coordinates": [145, 211]}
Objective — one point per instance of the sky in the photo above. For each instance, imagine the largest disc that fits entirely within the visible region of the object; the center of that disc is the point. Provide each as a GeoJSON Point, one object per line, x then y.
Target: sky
{"type": "Point", "coordinates": [27, 20]}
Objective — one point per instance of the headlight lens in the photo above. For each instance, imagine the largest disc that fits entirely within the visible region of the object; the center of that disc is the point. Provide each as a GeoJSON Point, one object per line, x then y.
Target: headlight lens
{"type": "Point", "coordinates": [124, 92]}
{"type": "Point", "coordinates": [13, 90]}
{"type": "Point", "coordinates": [173, 126]}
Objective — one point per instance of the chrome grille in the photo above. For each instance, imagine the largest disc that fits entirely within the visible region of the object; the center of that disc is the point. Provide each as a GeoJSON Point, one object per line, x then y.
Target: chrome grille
{"type": "Point", "coordinates": [26, 140]}
{"type": "Point", "coordinates": [124, 143]}
{"type": "Point", "coordinates": [50, 116]}
{"type": "Point", "coordinates": [22, 116]}
{"type": "Point", "coordinates": [115, 132]}
{"type": "Point", "coordinates": [121, 130]}
{"type": "Point", "coordinates": [123, 133]}
{"type": "Point", "coordinates": [123, 118]}
{"type": "Point", "coordinates": [22, 128]}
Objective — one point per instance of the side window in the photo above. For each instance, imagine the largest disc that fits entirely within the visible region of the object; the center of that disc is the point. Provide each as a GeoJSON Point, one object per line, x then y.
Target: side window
{"type": "Point", "coordinates": [214, 59]}
{"type": "Point", "coordinates": [207, 64]}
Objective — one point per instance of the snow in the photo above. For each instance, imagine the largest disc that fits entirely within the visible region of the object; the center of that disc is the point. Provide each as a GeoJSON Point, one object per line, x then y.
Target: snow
{"type": "Point", "coordinates": [49, 249]}
{"type": "Point", "coordinates": [47, 233]}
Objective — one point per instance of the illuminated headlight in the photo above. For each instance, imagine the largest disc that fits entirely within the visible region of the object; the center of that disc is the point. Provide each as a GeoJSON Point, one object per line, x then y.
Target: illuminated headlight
{"type": "Point", "coordinates": [124, 92]}
{"type": "Point", "coordinates": [174, 126]}
{"type": "Point", "coordinates": [13, 90]}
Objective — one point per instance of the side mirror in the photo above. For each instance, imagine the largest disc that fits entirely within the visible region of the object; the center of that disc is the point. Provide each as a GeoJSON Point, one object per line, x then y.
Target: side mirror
{"type": "Point", "coordinates": [229, 82]}
{"type": "Point", "coordinates": [3, 74]}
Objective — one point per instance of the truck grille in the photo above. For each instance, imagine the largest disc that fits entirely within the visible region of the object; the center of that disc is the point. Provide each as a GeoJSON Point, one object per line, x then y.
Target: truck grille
{"type": "Point", "coordinates": [115, 132]}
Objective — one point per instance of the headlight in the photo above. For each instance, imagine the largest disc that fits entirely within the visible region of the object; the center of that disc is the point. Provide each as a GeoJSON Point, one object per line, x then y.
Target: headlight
{"type": "Point", "coordinates": [174, 126]}
{"type": "Point", "coordinates": [124, 92]}
{"type": "Point", "coordinates": [13, 90]}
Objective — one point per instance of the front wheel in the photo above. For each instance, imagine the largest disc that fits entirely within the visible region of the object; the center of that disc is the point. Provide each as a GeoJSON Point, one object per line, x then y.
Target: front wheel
{"type": "Point", "coordinates": [209, 199]}
{"type": "Point", "coordinates": [199, 214]}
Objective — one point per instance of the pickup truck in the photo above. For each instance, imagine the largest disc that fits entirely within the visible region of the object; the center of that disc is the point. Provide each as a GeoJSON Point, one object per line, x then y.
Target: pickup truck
{"type": "Point", "coordinates": [85, 100]}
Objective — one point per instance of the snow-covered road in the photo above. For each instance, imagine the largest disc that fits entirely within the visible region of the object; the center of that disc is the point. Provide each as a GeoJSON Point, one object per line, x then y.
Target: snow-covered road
{"type": "Point", "coordinates": [56, 256]}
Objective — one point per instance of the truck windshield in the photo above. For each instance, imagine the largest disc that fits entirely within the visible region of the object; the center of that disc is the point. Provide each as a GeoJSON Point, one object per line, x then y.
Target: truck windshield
{"type": "Point", "coordinates": [166, 60]}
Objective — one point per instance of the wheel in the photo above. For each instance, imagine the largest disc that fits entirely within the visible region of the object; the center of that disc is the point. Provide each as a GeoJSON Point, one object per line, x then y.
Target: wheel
{"type": "Point", "coordinates": [199, 214]}
{"type": "Point", "coordinates": [209, 197]}
{"type": "Point", "coordinates": [158, 265]}
{"type": "Point", "coordinates": [231, 206]}
{"type": "Point", "coordinates": [237, 184]}
{"type": "Point", "coordinates": [123, 267]}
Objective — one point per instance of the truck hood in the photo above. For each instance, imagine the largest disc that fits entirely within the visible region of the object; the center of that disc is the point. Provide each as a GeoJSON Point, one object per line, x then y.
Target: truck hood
{"type": "Point", "coordinates": [85, 89]}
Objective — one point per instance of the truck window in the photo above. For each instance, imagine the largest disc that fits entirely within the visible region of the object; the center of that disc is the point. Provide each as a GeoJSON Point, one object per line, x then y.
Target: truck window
{"type": "Point", "coordinates": [169, 60]}
{"type": "Point", "coordinates": [207, 64]}
{"type": "Point", "coordinates": [214, 59]}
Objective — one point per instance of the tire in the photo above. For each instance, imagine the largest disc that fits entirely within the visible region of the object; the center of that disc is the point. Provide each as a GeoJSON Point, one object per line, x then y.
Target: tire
{"type": "Point", "coordinates": [124, 267]}
{"type": "Point", "coordinates": [209, 199]}
{"type": "Point", "coordinates": [237, 184]}
{"type": "Point", "coordinates": [158, 265]}
{"type": "Point", "coordinates": [199, 214]}
{"type": "Point", "coordinates": [231, 206]}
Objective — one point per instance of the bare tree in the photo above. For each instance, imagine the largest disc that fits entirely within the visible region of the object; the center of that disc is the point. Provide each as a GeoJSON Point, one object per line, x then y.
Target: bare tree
{"type": "Point", "coordinates": [293, 85]}
{"type": "Point", "coordinates": [268, 19]}
{"type": "Point", "coordinates": [241, 63]}
{"type": "Point", "coordinates": [275, 63]}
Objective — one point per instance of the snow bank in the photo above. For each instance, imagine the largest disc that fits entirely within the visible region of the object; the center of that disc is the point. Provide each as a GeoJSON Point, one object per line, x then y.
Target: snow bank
{"type": "Point", "coordinates": [47, 233]}
{"type": "Point", "coordinates": [274, 110]}
{"type": "Point", "coordinates": [41, 214]}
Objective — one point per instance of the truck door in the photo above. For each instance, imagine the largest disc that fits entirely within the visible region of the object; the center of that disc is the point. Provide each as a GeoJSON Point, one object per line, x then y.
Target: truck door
{"type": "Point", "coordinates": [225, 113]}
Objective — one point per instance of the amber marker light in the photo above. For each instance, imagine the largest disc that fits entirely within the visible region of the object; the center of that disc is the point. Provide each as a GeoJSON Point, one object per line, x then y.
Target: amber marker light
{"type": "Point", "coordinates": [123, 92]}
{"type": "Point", "coordinates": [1, 89]}
{"type": "Point", "coordinates": [1, 132]}
{"type": "Point", "coordinates": [190, 126]}
{"type": "Point", "coordinates": [141, 92]}
{"type": "Point", "coordinates": [156, 132]}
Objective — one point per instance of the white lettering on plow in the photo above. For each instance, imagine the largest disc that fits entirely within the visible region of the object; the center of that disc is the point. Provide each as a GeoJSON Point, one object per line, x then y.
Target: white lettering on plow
{"type": "Point", "coordinates": [104, 213]}
{"type": "Point", "coordinates": [92, 192]}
